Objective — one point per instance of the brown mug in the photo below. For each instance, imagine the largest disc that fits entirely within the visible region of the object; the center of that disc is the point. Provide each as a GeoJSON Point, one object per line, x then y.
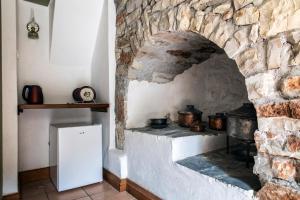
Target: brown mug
{"type": "Point", "coordinates": [33, 94]}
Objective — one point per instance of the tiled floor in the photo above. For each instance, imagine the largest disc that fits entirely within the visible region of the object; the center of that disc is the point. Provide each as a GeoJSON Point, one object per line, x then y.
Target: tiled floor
{"type": "Point", "coordinates": [44, 190]}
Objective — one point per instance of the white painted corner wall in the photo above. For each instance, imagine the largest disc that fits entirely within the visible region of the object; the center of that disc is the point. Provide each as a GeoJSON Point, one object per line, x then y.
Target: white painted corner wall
{"type": "Point", "coordinates": [9, 101]}
{"type": "Point", "coordinates": [75, 28]}
{"type": "Point", "coordinates": [103, 76]}
{"type": "Point", "coordinates": [112, 69]}
{"type": "Point", "coordinates": [57, 81]}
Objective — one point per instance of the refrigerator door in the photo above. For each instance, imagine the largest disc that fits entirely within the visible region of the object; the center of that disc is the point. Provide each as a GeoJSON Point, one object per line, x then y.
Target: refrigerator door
{"type": "Point", "coordinates": [79, 156]}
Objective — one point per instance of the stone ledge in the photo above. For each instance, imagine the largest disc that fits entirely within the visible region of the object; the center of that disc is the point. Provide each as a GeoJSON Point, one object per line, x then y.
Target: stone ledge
{"type": "Point", "coordinates": [273, 191]}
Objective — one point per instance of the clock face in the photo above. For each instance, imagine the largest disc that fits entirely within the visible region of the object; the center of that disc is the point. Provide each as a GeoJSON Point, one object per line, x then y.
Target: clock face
{"type": "Point", "coordinates": [87, 94]}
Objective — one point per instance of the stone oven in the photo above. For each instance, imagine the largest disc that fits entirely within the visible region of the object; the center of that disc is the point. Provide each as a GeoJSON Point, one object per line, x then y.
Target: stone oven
{"type": "Point", "coordinates": [175, 69]}
{"type": "Point", "coordinates": [162, 43]}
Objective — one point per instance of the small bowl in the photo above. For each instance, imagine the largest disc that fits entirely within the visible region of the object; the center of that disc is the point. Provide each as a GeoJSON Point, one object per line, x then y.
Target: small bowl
{"type": "Point", "coordinates": [158, 121]}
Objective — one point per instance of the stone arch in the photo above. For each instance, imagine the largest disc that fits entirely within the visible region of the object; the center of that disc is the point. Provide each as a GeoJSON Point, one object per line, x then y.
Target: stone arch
{"type": "Point", "coordinates": [266, 54]}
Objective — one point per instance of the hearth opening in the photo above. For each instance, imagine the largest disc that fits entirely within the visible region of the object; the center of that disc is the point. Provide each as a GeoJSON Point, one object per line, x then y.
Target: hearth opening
{"type": "Point", "coordinates": [183, 85]}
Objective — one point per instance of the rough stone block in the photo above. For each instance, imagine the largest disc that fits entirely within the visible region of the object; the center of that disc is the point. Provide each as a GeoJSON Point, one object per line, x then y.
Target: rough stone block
{"type": "Point", "coordinates": [154, 19]}
{"type": "Point", "coordinates": [126, 58]}
{"type": "Point", "coordinates": [251, 61]}
{"type": "Point", "coordinates": [164, 23]}
{"type": "Point", "coordinates": [274, 110]}
{"type": "Point", "coordinates": [196, 22]}
{"type": "Point", "coordinates": [210, 22]}
{"type": "Point", "coordinates": [262, 85]}
{"type": "Point", "coordinates": [241, 3]}
{"type": "Point", "coordinates": [277, 16]}
{"type": "Point", "coordinates": [183, 17]}
{"type": "Point", "coordinates": [242, 36]}
{"type": "Point", "coordinates": [221, 35]}
{"type": "Point", "coordinates": [295, 109]}
{"type": "Point", "coordinates": [275, 124]}
{"type": "Point", "coordinates": [161, 5]}
{"type": "Point", "coordinates": [131, 5]}
{"type": "Point", "coordinates": [290, 86]}
{"type": "Point", "coordinates": [284, 109]}
{"type": "Point", "coordinates": [254, 33]}
{"type": "Point", "coordinates": [247, 15]}
{"type": "Point", "coordinates": [225, 10]}
{"type": "Point", "coordinates": [232, 47]}
{"type": "Point", "coordinates": [281, 143]}
{"type": "Point", "coordinates": [279, 53]}
{"type": "Point", "coordinates": [277, 192]}
{"type": "Point", "coordinates": [172, 19]}
{"type": "Point", "coordinates": [270, 166]}
{"type": "Point", "coordinates": [293, 144]}
{"type": "Point", "coordinates": [238, 43]}
{"type": "Point", "coordinates": [285, 168]}
{"type": "Point", "coordinates": [262, 166]}
{"type": "Point", "coordinates": [133, 16]}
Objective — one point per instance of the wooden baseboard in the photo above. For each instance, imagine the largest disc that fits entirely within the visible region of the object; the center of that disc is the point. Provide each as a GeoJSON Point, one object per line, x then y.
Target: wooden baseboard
{"type": "Point", "coordinates": [116, 182]}
{"type": "Point", "coordinates": [34, 175]}
{"type": "Point", "coordinates": [129, 186]}
{"type": "Point", "coordinates": [139, 192]}
{"type": "Point", "coordinates": [15, 196]}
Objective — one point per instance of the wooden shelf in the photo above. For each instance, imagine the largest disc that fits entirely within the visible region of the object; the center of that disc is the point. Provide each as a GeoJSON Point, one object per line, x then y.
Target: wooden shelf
{"type": "Point", "coordinates": [97, 107]}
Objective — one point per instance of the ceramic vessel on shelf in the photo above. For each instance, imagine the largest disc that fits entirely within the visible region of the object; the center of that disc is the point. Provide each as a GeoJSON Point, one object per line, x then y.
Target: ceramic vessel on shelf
{"type": "Point", "coordinates": [33, 94]}
{"type": "Point", "coordinates": [217, 122]}
{"type": "Point", "coordinates": [197, 126]}
{"type": "Point", "coordinates": [188, 116]}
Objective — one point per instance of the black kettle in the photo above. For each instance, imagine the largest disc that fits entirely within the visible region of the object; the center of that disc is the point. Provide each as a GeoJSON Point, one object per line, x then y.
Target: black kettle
{"type": "Point", "coordinates": [33, 94]}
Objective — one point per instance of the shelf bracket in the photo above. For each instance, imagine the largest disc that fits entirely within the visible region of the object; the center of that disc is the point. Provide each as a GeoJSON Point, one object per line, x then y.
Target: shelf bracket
{"type": "Point", "coordinates": [20, 110]}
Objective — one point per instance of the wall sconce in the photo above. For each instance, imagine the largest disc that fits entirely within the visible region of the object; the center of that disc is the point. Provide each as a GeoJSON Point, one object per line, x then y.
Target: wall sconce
{"type": "Point", "coordinates": [33, 28]}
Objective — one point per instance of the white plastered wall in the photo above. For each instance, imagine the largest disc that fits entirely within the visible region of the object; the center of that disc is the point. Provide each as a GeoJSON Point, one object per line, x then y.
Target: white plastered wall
{"type": "Point", "coordinates": [75, 29]}
{"type": "Point", "coordinates": [151, 166]}
{"type": "Point", "coordinates": [103, 79]}
{"type": "Point", "coordinates": [9, 102]}
{"type": "Point", "coordinates": [57, 82]}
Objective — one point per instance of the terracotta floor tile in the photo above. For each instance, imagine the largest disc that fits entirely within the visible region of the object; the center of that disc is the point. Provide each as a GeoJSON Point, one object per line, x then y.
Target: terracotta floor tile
{"type": "Point", "coordinates": [84, 198]}
{"type": "Point", "coordinates": [67, 195]}
{"type": "Point", "coordinates": [49, 187]}
{"type": "Point", "coordinates": [45, 190]}
{"type": "Point", "coordinates": [33, 185]}
{"type": "Point", "coordinates": [105, 195]}
{"type": "Point", "coordinates": [41, 196]}
{"type": "Point", "coordinates": [33, 189]}
{"type": "Point", "coordinates": [97, 188]}
{"type": "Point", "coordinates": [122, 196]}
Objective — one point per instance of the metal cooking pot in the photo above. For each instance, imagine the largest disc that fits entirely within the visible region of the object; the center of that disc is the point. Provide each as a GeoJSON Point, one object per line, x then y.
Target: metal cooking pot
{"type": "Point", "coordinates": [185, 119]}
{"type": "Point", "coordinates": [242, 122]}
{"type": "Point", "coordinates": [217, 122]}
{"type": "Point", "coordinates": [159, 123]}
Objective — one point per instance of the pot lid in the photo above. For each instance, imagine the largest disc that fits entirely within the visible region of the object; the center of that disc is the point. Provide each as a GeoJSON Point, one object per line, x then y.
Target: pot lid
{"type": "Point", "coordinates": [247, 111]}
{"type": "Point", "coordinates": [185, 113]}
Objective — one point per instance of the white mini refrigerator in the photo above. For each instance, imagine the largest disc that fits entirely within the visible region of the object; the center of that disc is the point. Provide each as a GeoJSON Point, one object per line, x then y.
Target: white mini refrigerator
{"type": "Point", "coordinates": [75, 155]}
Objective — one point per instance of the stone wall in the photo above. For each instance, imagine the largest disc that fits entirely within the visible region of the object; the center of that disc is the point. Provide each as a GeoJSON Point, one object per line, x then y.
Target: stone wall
{"type": "Point", "coordinates": [262, 36]}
